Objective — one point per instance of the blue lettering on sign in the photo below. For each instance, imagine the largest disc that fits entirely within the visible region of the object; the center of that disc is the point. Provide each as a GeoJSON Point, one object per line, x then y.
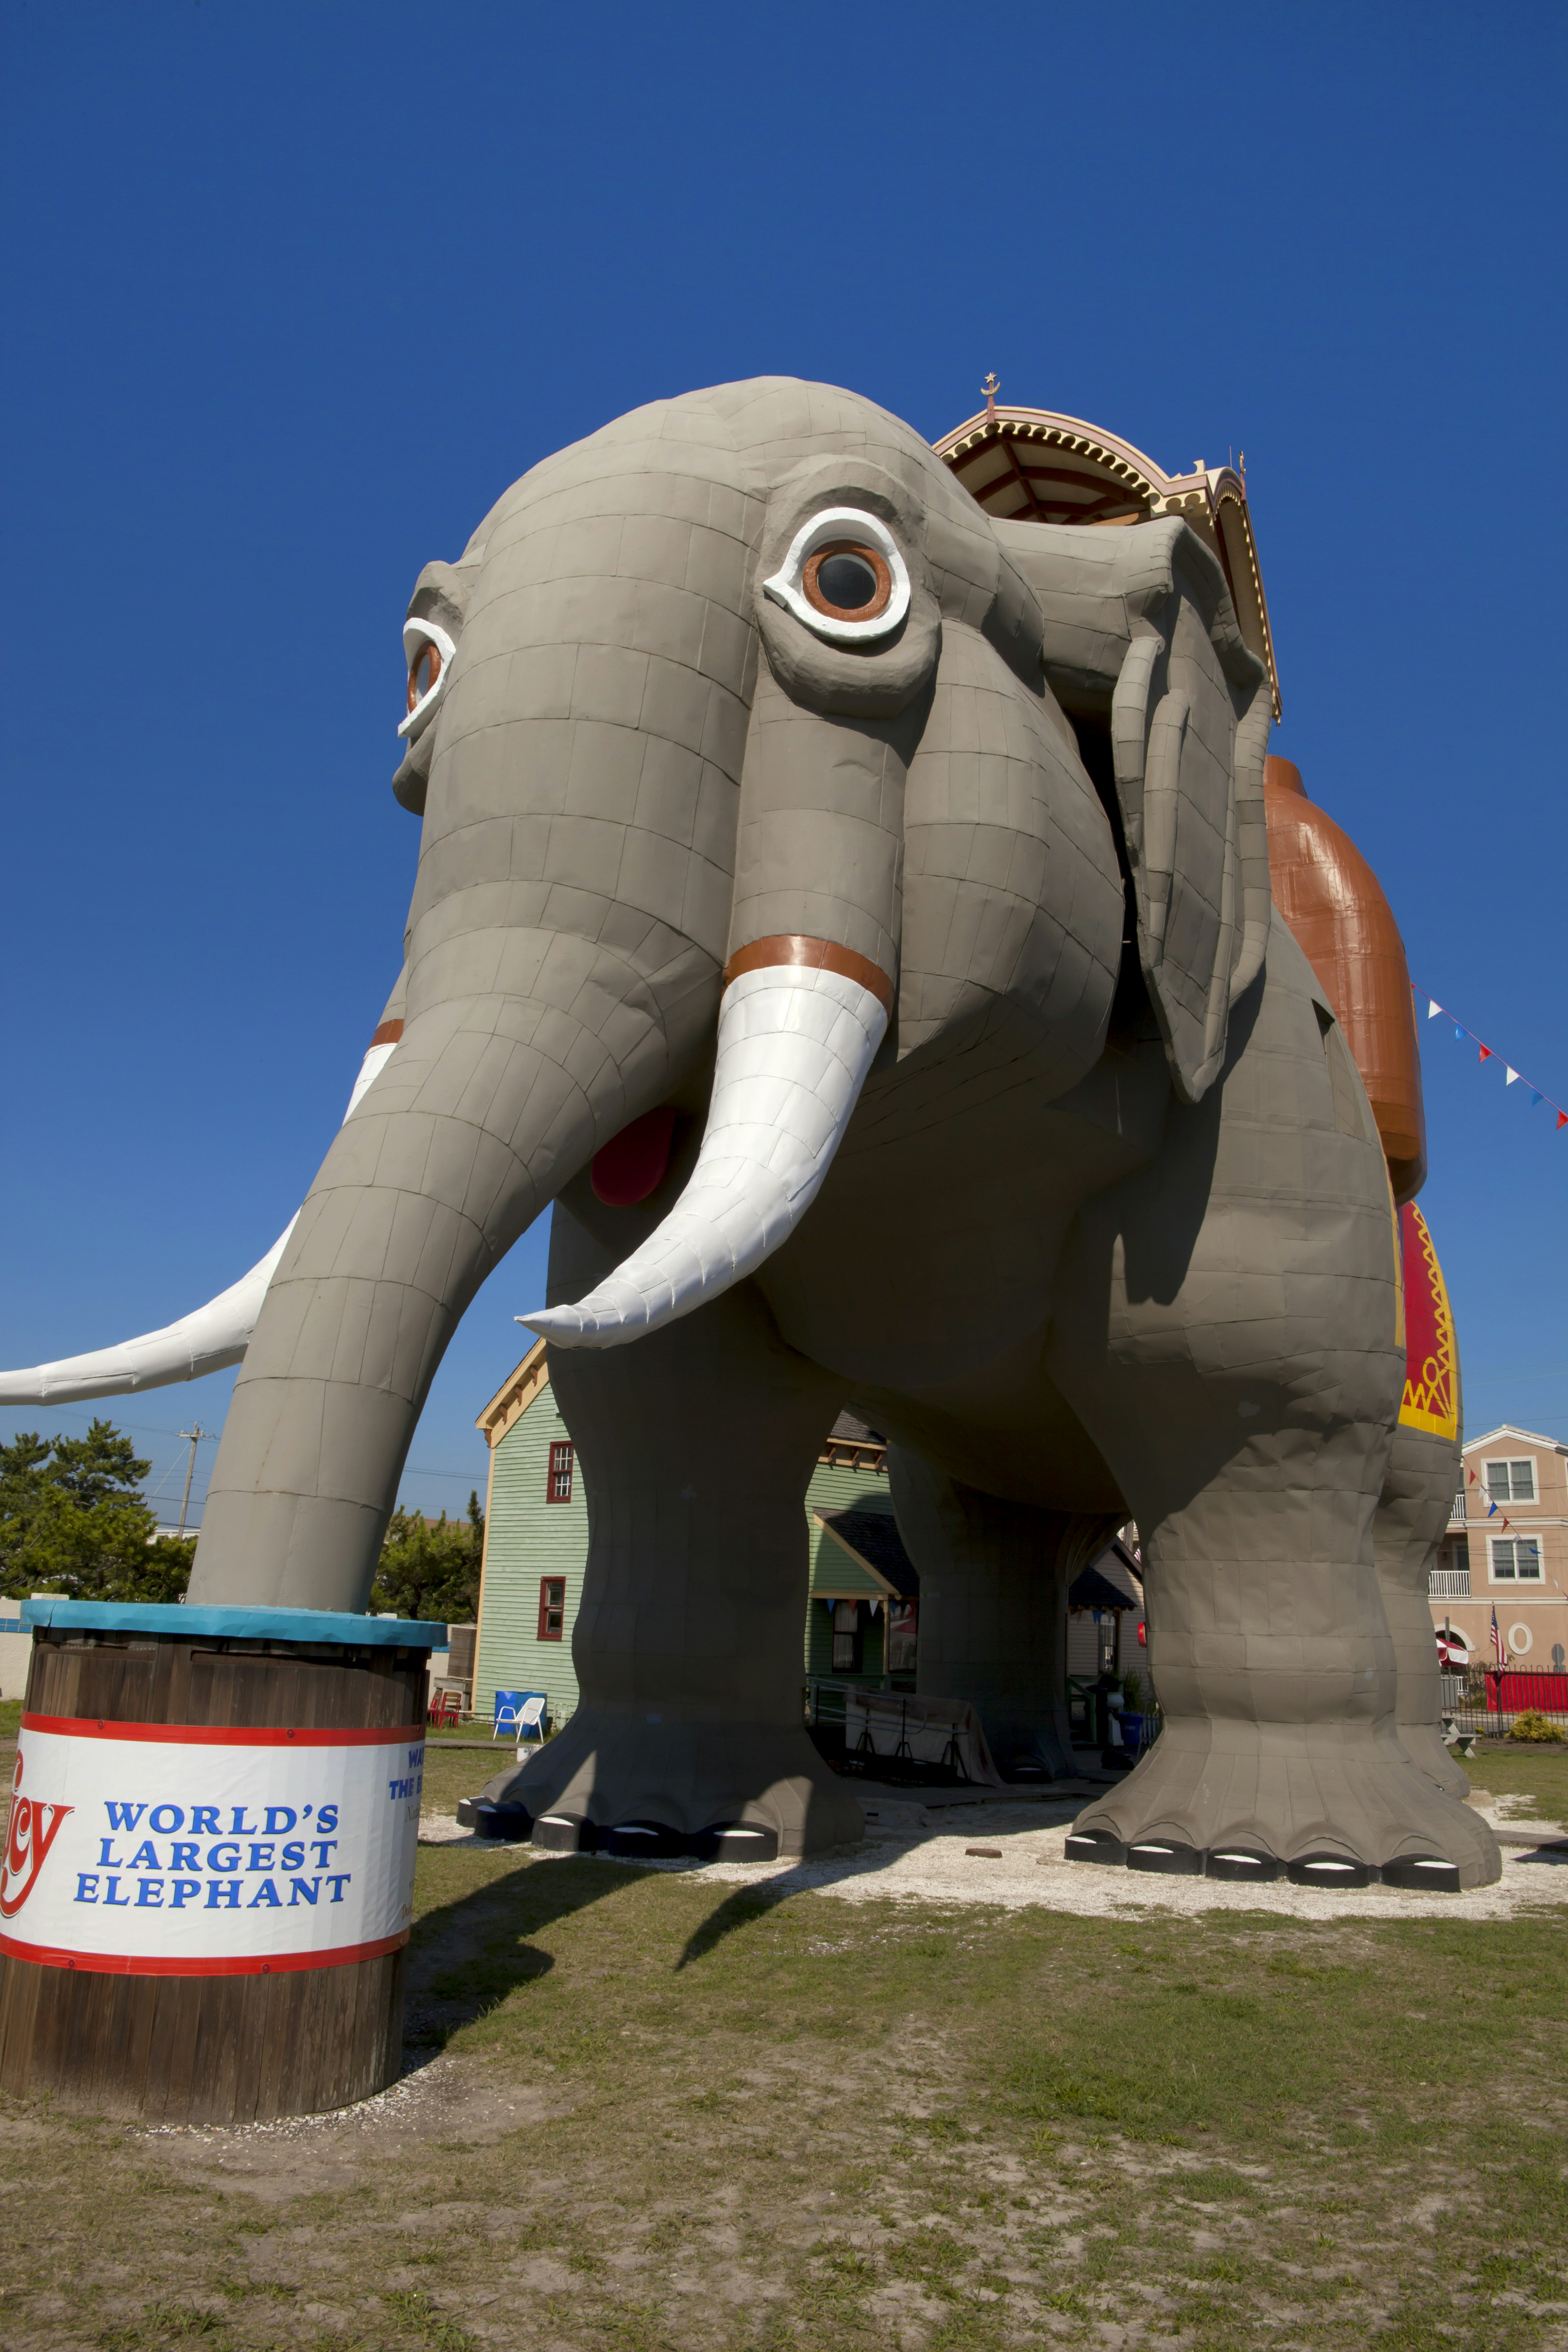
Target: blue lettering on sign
{"type": "Point", "coordinates": [242, 1874]}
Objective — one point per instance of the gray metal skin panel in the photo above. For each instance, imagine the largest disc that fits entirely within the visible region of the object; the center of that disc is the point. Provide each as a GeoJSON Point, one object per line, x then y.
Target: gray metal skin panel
{"type": "Point", "coordinates": [1087, 1252]}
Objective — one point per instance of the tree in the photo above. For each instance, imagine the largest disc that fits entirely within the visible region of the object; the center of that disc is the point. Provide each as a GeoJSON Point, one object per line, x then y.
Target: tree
{"type": "Point", "coordinates": [73, 1521]}
{"type": "Point", "coordinates": [430, 1567]}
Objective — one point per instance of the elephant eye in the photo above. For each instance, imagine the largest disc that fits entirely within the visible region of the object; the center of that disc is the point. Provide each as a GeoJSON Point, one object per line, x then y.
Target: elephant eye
{"type": "Point", "coordinates": [422, 676]}
{"type": "Point", "coordinates": [850, 582]}
{"type": "Point", "coordinates": [428, 651]}
{"type": "Point", "coordinates": [845, 577]}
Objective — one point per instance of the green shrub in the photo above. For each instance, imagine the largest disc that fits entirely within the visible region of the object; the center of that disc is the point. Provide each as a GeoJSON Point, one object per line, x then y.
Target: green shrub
{"type": "Point", "coordinates": [1533, 1724]}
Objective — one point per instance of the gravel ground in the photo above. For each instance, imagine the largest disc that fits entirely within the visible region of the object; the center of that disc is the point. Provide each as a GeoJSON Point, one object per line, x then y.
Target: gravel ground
{"type": "Point", "coordinates": [923, 1855]}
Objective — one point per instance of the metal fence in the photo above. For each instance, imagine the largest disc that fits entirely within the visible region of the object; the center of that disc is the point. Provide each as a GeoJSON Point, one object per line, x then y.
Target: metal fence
{"type": "Point", "coordinates": [1488, 1700]}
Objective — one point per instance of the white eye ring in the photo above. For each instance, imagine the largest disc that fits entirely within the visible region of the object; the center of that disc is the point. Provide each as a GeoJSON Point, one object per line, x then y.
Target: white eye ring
{"type": "Point", "coordinates": [416, 635]}
{"type": "Point", "coordinates": [786, 587]}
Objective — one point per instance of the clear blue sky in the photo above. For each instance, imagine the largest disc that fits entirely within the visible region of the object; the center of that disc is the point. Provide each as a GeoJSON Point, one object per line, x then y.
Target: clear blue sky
{"type": "Point", "coordinates": [294, 291]}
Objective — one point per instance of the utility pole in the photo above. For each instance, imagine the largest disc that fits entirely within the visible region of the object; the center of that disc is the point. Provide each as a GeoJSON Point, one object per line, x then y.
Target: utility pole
{"type": "Point", "coordinates": [196, 1436]}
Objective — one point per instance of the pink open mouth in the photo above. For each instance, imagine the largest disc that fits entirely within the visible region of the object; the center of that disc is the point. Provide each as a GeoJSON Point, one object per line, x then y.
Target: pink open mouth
{"type": "Point", "coordinates": [632, 1164]}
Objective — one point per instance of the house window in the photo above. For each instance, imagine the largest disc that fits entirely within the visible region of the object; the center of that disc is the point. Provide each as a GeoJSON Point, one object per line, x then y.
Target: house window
{"type": "Point", "coordinates": [552, 1608]}
{"type": "Point", "coordinates": [1511, 1482]}
{"type": "Point", "coordinates": [846, 1637]}
{"type": "Point", "coordinates": [901, 1620]}
{"type": "Point", "coordinates": [1516, 1559]}
{"type": "Point", "coordinates": [558, 1486]}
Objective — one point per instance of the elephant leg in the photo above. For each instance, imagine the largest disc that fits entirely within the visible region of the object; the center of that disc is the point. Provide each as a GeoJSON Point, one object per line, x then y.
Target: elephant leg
{"type": "Point", "coordinates": [1423, 1475]}
{"type": "Point", "coordinates": [1226, 1332]}
{"type": "Point", "coordinates": [993, 1627]}
{"type": "Point", "coordinates": [696, 1446]}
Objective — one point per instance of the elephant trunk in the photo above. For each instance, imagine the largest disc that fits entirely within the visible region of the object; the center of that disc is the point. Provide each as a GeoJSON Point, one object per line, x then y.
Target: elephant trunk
{"type": "Point", "coordinates": [210, 1337]}
{"type": "Point", "coordinates": [490, 1104]}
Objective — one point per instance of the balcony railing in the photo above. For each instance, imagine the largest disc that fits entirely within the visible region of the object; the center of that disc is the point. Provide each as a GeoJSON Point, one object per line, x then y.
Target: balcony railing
{"type": "Point", "coordinates": [1448, 1584]}
{"type": "Point", "coordinates": [1457, 1511]}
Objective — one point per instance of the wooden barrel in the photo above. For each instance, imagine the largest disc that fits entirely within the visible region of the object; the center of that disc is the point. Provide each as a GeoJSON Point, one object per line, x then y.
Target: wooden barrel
{"type": "Point", "coordinates": [205, 1891]}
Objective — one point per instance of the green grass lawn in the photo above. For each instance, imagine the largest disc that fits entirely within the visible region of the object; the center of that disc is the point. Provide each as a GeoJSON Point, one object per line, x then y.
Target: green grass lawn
{"type": "Point", "coordinates": [1510, 1768]}
{"type": "Point", "coordinates": [675, 2113]}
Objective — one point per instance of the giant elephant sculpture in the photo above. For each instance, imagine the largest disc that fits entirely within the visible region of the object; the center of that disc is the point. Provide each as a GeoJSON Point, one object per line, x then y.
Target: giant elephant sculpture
{"type": "Point", "coordinates": [853, 914]}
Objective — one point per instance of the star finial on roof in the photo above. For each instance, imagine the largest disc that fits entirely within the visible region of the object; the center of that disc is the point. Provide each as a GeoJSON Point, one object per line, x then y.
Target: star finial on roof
{"type": "Point", "coordinates": [990, 387]}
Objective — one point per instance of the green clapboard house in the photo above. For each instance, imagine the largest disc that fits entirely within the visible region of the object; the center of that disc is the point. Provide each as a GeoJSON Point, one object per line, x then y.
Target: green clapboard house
{"type": "Point", "coordinates": [861, 1617]}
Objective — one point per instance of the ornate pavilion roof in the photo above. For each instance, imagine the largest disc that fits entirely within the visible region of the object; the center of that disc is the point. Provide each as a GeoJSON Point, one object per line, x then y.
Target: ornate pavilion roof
{"type": "Point", "coordinates": [1030, 465]}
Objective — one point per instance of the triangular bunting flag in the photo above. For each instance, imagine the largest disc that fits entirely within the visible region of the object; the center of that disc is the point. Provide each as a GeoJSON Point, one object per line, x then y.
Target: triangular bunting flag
{"type": "Point", "coordinates": [1433, 1008]}
{"type": "Point", "coordinates": [1457, 1031]}
{"type": "Point", "coordinates": [1562, 1118]}
{"type": "Point", "coordinates": [1486, 1052]}
{"type": "Point", "coordinates": [1512, 1074]}
{"type": "Point", "coordinates": [1534, 1096]}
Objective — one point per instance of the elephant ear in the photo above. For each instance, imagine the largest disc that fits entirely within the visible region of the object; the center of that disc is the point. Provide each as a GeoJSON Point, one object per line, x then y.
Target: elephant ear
{"type": "Point", "coordinates": [1189, 723]}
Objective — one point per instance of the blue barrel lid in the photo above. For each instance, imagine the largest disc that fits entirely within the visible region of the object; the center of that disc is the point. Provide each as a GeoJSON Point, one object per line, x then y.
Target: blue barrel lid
{"type": "Point", "coordinates": [234, 1624]}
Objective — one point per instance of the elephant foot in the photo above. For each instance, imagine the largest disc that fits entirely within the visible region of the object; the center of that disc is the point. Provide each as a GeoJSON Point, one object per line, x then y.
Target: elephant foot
{"type": "Point", "coordinates": [1424, 1748]}
{"type": "Point", "coordinates": [1331, 1806]}
{"type": "Point", "coordinates": [629, 1783]}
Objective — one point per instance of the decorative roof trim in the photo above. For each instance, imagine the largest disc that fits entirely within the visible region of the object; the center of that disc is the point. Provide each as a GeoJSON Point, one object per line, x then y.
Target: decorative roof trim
{"type": "Point", "coordinates": [1508, 1429]}
{"type": "Point", "coordinates": [1197, 498]}
{"type": "Point", "coordinates": [514, 1396]}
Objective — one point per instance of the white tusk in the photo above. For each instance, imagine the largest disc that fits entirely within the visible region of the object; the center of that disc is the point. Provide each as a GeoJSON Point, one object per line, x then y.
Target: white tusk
{"type": "Point", "coordinates": [207, 1340]}
{"type": "Point", "coordinates": [213, 1337]}
{"type": "Point", "coordinates": [370, 1069]}
{"type": "Point", "coordinates": [794, 1046]}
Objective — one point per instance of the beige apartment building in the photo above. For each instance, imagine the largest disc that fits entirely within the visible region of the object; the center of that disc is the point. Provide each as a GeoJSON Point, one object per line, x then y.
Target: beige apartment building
{"type": "Point", "coordinates": [1507, 1549]}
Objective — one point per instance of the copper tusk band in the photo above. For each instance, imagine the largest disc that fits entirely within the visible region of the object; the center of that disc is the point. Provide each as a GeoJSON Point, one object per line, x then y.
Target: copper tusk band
{"type": "Point", "coordinates": [816, 955]}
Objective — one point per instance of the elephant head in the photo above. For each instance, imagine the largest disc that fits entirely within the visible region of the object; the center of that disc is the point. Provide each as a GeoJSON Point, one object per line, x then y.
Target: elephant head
{"type": "Point", "coordinates": [753, 759]}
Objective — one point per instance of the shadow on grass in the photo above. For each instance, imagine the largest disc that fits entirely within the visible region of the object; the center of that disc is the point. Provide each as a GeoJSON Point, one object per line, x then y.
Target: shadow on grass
{"type": "Point", "coordinates": [467, 1956]}
{"type": "Point", "coordinates": [741, 1909]}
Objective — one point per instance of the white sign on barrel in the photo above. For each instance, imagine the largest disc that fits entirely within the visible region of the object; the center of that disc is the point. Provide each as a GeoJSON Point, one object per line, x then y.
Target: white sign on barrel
{"type": "Point", "coordinates": [192, 1850]}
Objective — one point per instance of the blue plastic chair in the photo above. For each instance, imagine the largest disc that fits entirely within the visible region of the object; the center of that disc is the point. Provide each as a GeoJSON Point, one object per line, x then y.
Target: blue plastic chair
{"type": "Point", "coordinates": [508, 1705]}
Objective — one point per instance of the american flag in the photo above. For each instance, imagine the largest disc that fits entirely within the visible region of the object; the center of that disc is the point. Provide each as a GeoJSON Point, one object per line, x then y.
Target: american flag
{"type": "Point", "coordinates": [1497, 1642]}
